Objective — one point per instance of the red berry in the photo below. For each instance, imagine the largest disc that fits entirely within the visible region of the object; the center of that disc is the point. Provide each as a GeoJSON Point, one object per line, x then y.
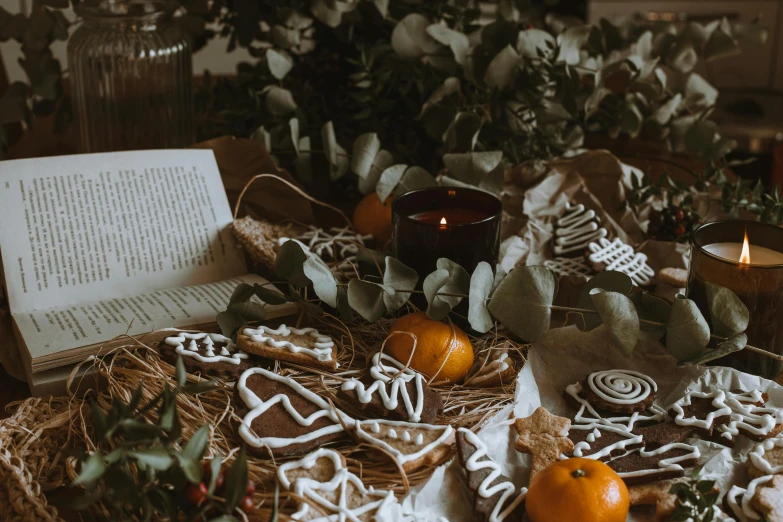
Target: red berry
{"type": "Point", "coordinates": [196, 494]}
{"type": "Point", "coordinates": [251, 487]}
{"type": "Point", "coordinates": [679, 215]}
{"type": "Point", "coordinates": [246, 504]}
{"type": "Point", "coordinates": [206, 469]}
{"type": "Point", "coordinates": [220, 480]}
{"type": "Point", "coordinates": [679, 230]}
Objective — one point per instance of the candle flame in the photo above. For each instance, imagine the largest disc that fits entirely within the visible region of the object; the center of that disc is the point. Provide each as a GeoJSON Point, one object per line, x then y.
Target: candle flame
{"type": "Point", "coordinates": [443, 221]}
{"type": "Point", "coordinates": [745, 256]}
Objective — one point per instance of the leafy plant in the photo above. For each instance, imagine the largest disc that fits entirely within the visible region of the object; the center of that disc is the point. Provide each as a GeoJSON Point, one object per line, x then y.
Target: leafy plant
{"type": "Point", "coordinates": [141, 468]}
{"type": "Point", "coordinates": [522, 301]}
{"type": "Point", "coordinates": [696, 499]}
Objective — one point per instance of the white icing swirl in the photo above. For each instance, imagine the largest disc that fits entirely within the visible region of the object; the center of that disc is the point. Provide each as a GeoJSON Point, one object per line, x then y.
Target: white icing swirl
{"type": "Point", "coordinates": [321, 349]}
{"type": "Point", "coordinates": [576, 229]}
{"type": "Point", "coordinates": [621, 387]}
{"type": "Point", "coordinates": [759, 460]}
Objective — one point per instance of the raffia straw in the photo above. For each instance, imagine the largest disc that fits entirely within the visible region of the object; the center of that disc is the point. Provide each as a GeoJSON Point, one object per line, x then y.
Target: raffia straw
{"type": "Point", "coordinates": [295, 188]}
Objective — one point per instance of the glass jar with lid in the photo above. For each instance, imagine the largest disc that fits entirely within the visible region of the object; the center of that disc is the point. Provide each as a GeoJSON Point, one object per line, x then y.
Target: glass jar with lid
{"type": "Point", "coordinates": [131, 75]}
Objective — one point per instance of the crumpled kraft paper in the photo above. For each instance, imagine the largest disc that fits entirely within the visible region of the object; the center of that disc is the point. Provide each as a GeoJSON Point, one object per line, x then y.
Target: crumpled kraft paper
{"type": "Point", "coordinates": [564, 357]}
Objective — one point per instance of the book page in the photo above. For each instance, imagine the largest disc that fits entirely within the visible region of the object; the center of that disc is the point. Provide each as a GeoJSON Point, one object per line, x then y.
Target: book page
{"type": "Point", "coordinates": [48, 332]}
{"type": "Point", "coordinates": [105, 227]}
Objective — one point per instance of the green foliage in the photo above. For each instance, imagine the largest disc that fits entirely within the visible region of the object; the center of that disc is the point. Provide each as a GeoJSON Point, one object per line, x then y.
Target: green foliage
{"type": "Point", "coordinates": [141, 466]}
{"type": "Point", "coordinates": [687, 332]}
{"type": "Point", "coordinates": [248, 302]}
{"type": "Point", "coordinates": [696, 499]}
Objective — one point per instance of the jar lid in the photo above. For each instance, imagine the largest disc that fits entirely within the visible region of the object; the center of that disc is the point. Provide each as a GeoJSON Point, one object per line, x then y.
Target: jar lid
{"type": "Point", "coordinates": [125, 9]}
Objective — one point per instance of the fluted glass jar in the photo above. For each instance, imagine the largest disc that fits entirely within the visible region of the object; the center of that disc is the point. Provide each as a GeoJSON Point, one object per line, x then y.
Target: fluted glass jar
{"type": "Point", "coordinates": [131, 74]}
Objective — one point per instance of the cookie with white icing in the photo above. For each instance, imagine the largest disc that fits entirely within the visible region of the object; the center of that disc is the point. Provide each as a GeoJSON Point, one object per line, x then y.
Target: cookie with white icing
{"type": "Point", "coordinates": [618, 256]}
{"type": "Point", "coordinates": [644, 465]}
{"type": "Point", "coordinates": [205, 353]}
{"type": "Point", "coordinates": [303, 346]}
{"type": "Point", "coordinates": [334, 244]}
{"type": "Point", "coordinates": [394, 391]}
{"type": "Point", "coordinates": [766, 458]}
{"type": "Point", "coordinates": [570, 266]}
{"type": "Point", "coordinates": [587, 413]}
{"type": "Point", "coordinates": [575, 229]}
{"type": "Point", "coordinates": [620, 391]}
{"type": "Point", "coordinates": [496, 498]}
{"type": "Point", "coordinates": [282, 417]}
{"type": "Point", "coordinates": [411, 445]}
{"type": "Point", "coordinates": [738, 500]}
{"type": "Point", "coordinates": [768, 500]}
{"type": "Point", "coordinates": [329, 491]}
{"type": "Point", "coordinates": [496, 368]}
{"type": "Point", "coordinates": [601, 442]}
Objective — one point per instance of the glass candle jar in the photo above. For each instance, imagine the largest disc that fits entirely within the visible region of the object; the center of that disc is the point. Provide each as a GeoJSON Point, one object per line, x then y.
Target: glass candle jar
{"type": "Point", "coordinates": [131, 74]}
{"type": "Point", "coordinates": [457, 223]}
{"type": "Point", "coordinates": [758, 282]}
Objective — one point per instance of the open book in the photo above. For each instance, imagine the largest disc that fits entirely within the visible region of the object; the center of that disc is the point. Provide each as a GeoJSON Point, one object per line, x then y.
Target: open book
{"type": "Point", "coordinates": [96, 246]}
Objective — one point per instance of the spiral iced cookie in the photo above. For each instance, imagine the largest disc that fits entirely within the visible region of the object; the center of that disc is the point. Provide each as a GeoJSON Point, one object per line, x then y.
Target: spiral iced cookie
{"type": "Point", "coordinates": [619, 391]}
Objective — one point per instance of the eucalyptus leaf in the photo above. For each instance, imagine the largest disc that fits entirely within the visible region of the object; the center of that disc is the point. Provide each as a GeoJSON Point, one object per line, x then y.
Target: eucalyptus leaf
{"type": "Point", "coordinates": [303, 161]}
{"type": "Point", "coordinates": [687, 332]}
{"type": "Point", "coordinates": [457, 41]}
{"type": "Point", "coordinates": [523, 299]}
{"type": "Point", "coordinates": [729, 346]}
{"type": "Point", "coordinates": [249, 310]}
{"type": "Point", "coordinates": [473, 167]}
{"type": "Point", "coordinates": [190, 467]}
{"type": "Point", "coordinates": [532, 41]}
{"type": "Point", "coordinates": [324, 283]}
{"type": "Point", "coordinates": [242, 293]}
{"type": "Point", "coordinates": [415, 178]}
{"type": "Point", "coordinates": [383, 160]}
{"type": "Point", "coordinates": [651, 308]}
{"type": "Point", "coordinates": [335, 154]}
{"type": "Point", "coordinates": [293, 126]}
{"type": "Point", "coordinates": [230, 323]}
{"type": "Point", "coordinates": [279, 101]}
{"type": "Point", "coordinates": [365, 148]}
{"type": "Point", "coordinates": [729, 315]}
{"type": "Point", "coordinates": [480, 288]}
{"type": "Point", "coordinates": [325, 13]}
{"type": "Point", "coordinates": [367, 299]}
{"type": "Point", "coordinates": [457, 282]}
{"type": "Point", "coordinates": [279, 63]}
{"type": "Point", "coordinates": [263, 136]}
{"type": "Point", "coordinates": [343, 306]}
{"type": "Point", "coordinates": [619, 315]}
{"type": "Point", "coordinates": [236, 480]}
{"type": "Point", "coordinates": [438, 309]}
{"type": "Point", "coordinates": [720, 45]}
{"type": "Point", "coordinates": [389, 180]}
{"type": "Point", "coordinates": [372, 260]}
{"type": "Point", "coordinates": [571, 42]}
{"type": "Point", "coordinates": [403, 279]}
{"type": "Point", "coordinates": [503, 69]}
{"type": "Point", "coordinates": [290, 264]}
{"type": "Point", "coordinates": [270, 296]}
{"type": "Point", "coordinates": [462, 133]}
{"type": "Point", "coordinates": [180, 375]}
{"type": "Point", "coordinates": [409, 38]}
{"type": "Point", "coordinates": [214, 471]}
{"type": "Point", "coordinates": [609, 280]}
{"type": "Point", "coordinates": [500, 274]}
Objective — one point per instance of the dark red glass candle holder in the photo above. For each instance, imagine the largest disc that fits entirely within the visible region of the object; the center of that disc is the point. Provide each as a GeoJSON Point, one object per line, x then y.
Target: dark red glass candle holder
{"type": "Point", "coordinates": [759, 286]}
{"type": "Point", "coordinates": [470, 233]}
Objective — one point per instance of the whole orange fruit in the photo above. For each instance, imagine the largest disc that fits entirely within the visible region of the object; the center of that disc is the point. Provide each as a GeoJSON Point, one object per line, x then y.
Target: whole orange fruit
{"type": "Point", "coordinates": [436, 342]}
{"type": "Point", "coordinates": [374, 218]}
{"type": "Point", "coordinates": [577, 489]}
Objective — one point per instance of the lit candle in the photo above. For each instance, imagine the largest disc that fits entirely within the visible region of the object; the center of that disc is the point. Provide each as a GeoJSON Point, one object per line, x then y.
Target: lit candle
{"type": "Point", "coordinates": [753, 270]}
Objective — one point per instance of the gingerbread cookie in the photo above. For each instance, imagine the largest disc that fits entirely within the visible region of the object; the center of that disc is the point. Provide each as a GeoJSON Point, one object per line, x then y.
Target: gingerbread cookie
{"type": "Point", "coordinates": [676, 277]}
{"type": "Point", "coordinates": [304, 346]}
{"type": "Point", "coordinates": [411, 445]}
{"type": "Point", "coordinates": [576, 229]}
{"type": "Point", "coordinates": [600, 441]}
{"type": "Point", "coordinates": [738, 501]}
{"type": "Point", "coordinates": [701, 411]}
{"type": "Point", "coordinates": [750, 417]}
{"type": "Point", "coordinates": [570, 266]}
{"type": "Point", "coordinates": [205, 353]}
{"type": "Point", "coordinates": [281, 416]}
{"type": "Point", "coordinates": [665, 462]}
{"type": "Point", "coordinates": [395, 391]}
{"type": "Point", "coordinates": [329, 491]}
{"type": "Point", "coordinates": [544, 436]}
{"type": "Point", "coordinates": [620, 391]}
{"type": "Point", "coordinates": [496, 368]}
{"type": "Point", "coordinates": [496, 498]}
{"type": "Point", "coordinates": [336, 244]}
{"type": "Point", "coordinates": [656, 494]}
{"type": "Point", "coordinates": [768, 500]}
{"type": "Point", "coordinates": [766, 458]}
{"type": "Point", "coordinates": [658, 435]}
{"type": "Point", "coordinates": [616, 255]}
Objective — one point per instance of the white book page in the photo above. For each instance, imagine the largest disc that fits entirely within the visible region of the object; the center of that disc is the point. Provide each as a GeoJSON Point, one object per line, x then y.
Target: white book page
{"type": "Point", "coordinates": [103, 227]}
{"type": "Point", "coordinates": [50, 331]}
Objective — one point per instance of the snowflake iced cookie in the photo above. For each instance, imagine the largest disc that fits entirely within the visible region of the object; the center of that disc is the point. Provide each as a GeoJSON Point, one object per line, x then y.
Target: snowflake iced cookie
{"type": "Point", "coordinates": [570, 266]}
{"type": "Point", "coordinates": [281, 416]}
{"type": "Point", "coordinates": [329, 491]}
{"type": "Point", "coordinates": [394, 391]}
{"type": "Point", "coordinates": [304, 346]}
{"type": "Point", "coordinates": [494, 369]}
{"type": "Point", "coordinates": [333, 245]}
{"type": "Point", "coordinates": [411, 445]}
{"type": "Point", "coordinates": [205, 353]}
{"type": "Point", "coordinates": [616, 255]}
{"type": "Point", "coordinates": [575, 230]}
{"type": "Point", "coordinates": [495, 497]}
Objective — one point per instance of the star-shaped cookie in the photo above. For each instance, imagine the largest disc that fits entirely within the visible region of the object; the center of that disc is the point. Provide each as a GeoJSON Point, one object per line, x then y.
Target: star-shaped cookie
{"type": "Point", "coordinates": [544, 436]}
{"type": "Point", "coordinates": [769, 500]}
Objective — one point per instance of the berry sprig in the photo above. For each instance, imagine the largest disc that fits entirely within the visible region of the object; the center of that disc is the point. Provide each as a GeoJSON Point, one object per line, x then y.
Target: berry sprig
{"type": "Point", "coordinates": [220, 492]}
{"type": "Point", "coordinates": [672, 223]}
